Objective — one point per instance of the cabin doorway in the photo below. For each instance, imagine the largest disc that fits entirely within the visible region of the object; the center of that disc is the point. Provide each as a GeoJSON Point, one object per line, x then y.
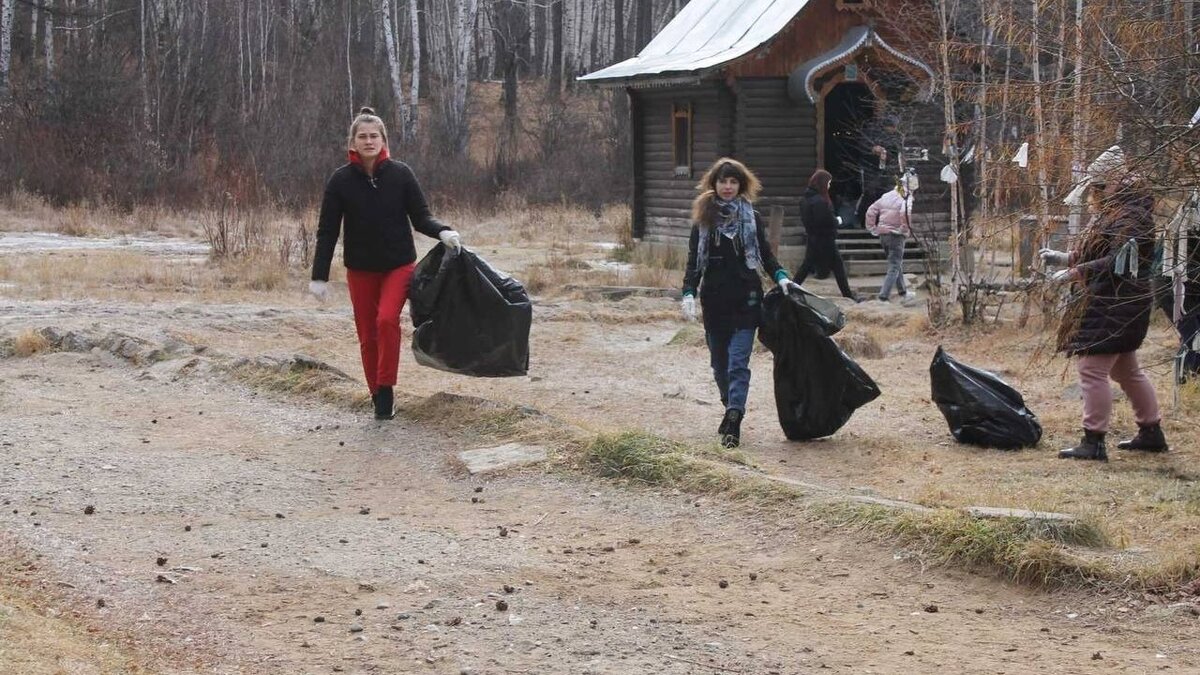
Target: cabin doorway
{"type": "Point", "coordinates": [847, 107]}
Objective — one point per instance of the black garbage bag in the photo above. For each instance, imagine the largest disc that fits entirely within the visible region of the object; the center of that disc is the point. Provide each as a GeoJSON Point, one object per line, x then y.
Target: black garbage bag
{"type": "Point", "coordinates": [980, 408]}
{"type": "Point", "coordinates": [817, 386]}
{"type": "Point", "coordinates": [470, 318]}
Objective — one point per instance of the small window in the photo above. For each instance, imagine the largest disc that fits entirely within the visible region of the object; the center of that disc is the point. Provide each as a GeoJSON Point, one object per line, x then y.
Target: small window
{"type": "Point", "coordinates": [681, 139]}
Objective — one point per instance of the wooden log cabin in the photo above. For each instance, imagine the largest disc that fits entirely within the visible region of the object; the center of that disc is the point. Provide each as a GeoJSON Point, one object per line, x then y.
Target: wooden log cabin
{"type": "Point", "coordinates": [785, 86]}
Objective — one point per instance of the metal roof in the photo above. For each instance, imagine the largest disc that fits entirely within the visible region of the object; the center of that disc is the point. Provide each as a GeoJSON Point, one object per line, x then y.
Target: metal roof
{"type": "Point", "coordinates": [705, 34]}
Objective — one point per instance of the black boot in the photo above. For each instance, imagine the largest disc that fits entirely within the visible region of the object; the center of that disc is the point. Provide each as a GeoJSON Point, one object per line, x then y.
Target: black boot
{"type": "Point", "coordinates": [384, 404]}
{"type": "Point", "coordinates": [1090, 447]}
{"type": "Point", "coordinates": [1149, 438]}
{"type": "Point", "coordinates": [731, 434]}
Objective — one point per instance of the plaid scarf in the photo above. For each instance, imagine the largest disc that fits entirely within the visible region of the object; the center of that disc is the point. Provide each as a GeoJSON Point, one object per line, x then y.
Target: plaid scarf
{"type": "Point", "coordinates": [735, 219]}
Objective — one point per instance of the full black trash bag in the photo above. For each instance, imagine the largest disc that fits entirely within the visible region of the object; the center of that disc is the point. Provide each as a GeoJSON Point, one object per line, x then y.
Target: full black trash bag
{"type": "Point", "coordinates": [470, 318]}
{"type": "Point", "coordinates": [817, 386]}
{"type": "Point", "coordinates": [980, 408]}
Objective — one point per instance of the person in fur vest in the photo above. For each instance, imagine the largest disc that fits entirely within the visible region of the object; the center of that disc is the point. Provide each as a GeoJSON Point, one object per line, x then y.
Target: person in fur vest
{"type": "Point", "coordinates": [1109, 313]}
{"type": "Point", "coordinates": [727, 254]}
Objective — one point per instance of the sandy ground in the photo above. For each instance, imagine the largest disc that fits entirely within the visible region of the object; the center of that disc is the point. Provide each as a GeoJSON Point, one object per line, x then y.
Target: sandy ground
{"type": "Point", "coordinates": [270, 512]}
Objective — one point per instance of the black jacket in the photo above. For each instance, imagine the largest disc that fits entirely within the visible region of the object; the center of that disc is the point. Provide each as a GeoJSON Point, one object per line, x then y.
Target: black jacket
{"type": "Point", "coordinates": [1110, 314]}
{"type": "Point", "coordinates": [378, 214]}
{"type": "Point", "coordinates": [730, 293]}
{"type": "Point", "coordinates": [817, 215]}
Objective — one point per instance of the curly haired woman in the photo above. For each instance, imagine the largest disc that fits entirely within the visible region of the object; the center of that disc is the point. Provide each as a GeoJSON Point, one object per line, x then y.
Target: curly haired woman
{"type": "Point", "coordinates": [727, 254]}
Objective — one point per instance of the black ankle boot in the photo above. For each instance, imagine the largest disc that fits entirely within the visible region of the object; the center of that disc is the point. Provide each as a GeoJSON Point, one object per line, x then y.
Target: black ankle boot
{"type": "Point", "coordinates": [1149, 438]}
{"type": "Point", "coordinates": [731, 429]}
{"type": "Point", "coordinates": [1091, 446]}
{"type": "Point", "coordinates": [384, 404]}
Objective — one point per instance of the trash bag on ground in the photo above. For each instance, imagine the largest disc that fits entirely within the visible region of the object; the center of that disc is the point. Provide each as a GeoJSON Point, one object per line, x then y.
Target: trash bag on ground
{"type": "Point", "coordinates": [980, 408]}
{"type": "Point", "coordinates": [470, 318]}
{"type": "Point", "coordinates": [817, 386]}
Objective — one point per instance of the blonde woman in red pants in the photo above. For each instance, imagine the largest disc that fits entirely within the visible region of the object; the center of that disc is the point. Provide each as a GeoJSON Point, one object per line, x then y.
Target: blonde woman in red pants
{"type": "Point", "coordinates": [377, 202]}
{"type": "Point", "coordinates": [1110, 313]}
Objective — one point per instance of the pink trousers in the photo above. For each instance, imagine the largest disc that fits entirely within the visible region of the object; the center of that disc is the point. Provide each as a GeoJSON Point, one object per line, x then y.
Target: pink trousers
{"type": "Point", "coordinates": [1094, 372]}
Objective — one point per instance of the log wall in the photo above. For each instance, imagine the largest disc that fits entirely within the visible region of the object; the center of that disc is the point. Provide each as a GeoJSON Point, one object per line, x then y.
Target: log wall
{"type": "Point", "coordinates": [666, 199]}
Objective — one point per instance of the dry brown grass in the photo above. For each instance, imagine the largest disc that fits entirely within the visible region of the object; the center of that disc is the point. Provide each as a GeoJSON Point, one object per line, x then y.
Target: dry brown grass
{"type": "Point", "coordinates": [30, 342]}
{"type": "Point", "coordinates": [22, 211]}
{"type": "Point", "coordinates": [859, 344]}
{"type": "Point", "coordinates": [115, 275]}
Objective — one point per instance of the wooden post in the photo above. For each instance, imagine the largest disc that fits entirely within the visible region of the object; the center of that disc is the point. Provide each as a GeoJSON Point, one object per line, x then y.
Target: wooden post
{"type": "Point", "coordinates": [775, 227]}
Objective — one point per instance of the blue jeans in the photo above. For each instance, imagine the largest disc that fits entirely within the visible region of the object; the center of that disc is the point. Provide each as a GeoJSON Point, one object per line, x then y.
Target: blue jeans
{"type": "Point", "coordinates": [893, 245]}
{"type": "Point", "coordinates": [730, 355]}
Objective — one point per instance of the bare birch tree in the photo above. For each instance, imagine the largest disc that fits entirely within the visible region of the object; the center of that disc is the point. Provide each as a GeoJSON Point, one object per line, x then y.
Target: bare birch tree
{"type": "Point", "coordinates": [412, 111]}
{"type": "Point", "coordinates": [393, 59]}
{"type": "Point", "coordinates": [6, 30]}
{"type": "Point", "coordinates": [454, 99]}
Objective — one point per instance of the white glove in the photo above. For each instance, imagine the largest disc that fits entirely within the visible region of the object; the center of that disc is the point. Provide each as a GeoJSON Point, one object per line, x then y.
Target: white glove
{"type": "Point", "coordinates": [1051, 257]}
{"type": "Point", "coordinates": [786, 284]}
{"type": "Point", "coordinates": [450, 238]}
{"type": "Point", "coordinates": [320, 289]}
{"type": "Point", "coordinates": [688, 305]}
{"type": "Point", "coordinates": [1061, 275]}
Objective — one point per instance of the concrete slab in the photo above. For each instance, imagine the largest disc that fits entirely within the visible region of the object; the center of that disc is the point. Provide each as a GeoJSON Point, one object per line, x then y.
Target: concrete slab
{"type": "Point", "coordinates": [1023, 514]}
{"type": "Point", "coordinates": [507, 456]}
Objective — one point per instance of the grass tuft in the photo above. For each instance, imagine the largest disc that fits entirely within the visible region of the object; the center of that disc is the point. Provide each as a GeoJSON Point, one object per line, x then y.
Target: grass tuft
{"type": "Point", "coordinates": [1034, 552]}
{"type": "Point", "coordinates": [30, 342]}
{"type": "Point", "coordinates": [859, 344]}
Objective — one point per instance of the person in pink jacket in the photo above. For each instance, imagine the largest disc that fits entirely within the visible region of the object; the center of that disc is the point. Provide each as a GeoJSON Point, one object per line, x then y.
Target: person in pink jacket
{"type": "Point", "coordinates": [889, 219]}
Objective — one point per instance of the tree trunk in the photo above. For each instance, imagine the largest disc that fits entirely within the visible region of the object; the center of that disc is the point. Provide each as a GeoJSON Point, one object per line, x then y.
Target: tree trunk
{"type": "Point", "coordinates": [456, 105]}
{"type": "Point", "coordinates": [644, 27]}
{"type": "Point", "coordinates": [6, 29]}
{"type": "Point", "coordinates": [349, 69]}
{"type": "Point", "coordinates": [1075, 218]}
{"type": "Point", "coordinates": [554, 82]}
{"type": "Point", "coordinates": [618, 30]}
{"type": "Point", "coordinates": [510, 30]}
{"type": "Point", "coordinates": [540, 37]}
{"type": "Point", "coordinates": [393, 59]}
{"type": "Point", "coordinates": [48, 38]}
{"type": "Point", "coordinates": [957, 230]}
{"type": "Point", "coordinates": [412, 112]}
{"type": "Point", "coordinates": [143, 74]}
{"type": "Point", "coordinates": [1039, 120]}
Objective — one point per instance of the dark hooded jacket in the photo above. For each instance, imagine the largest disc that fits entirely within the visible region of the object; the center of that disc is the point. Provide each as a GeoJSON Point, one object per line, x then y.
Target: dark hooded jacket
{"type": "Point", "coordinates": [1109, 313]}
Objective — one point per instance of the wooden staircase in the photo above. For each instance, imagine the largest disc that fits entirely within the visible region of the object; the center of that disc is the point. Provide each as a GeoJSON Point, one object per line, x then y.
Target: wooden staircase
{"type": "Point", "coordinates": [864, 256]}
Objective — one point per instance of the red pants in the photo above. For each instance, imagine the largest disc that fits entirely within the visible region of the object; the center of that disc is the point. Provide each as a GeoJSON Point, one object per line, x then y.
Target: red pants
{"type": "Point", "coordinates": [377, 298]}
{"type": "Point", "coordinates": [1094, 372]}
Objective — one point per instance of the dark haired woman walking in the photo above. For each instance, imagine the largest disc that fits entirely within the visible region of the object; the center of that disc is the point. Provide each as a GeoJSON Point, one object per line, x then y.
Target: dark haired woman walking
{"type": "Point", "coordinates": [816, 212]}
{"type": "Point", "coordinates": [727, 252]}
{"type": "Point", "coordinates": [378, 202]}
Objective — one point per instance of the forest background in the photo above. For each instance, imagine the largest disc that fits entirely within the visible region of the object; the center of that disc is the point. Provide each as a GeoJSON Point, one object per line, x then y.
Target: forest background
{"type": "Point", "coordinates": [199, 104]}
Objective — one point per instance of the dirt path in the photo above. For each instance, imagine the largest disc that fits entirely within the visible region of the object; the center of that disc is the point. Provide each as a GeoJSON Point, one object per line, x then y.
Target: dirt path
{"type": "Point", "coordinates": [374, 518]}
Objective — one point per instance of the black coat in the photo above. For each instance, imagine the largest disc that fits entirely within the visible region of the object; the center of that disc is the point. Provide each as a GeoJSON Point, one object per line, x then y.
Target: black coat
{"type": "Point", "coordinates": [1110, 313]}
{"type": "Point", "coordinates": [378, 214]}
{"type": "Point", "coordinates": [817, 215]}
{"type": "Point", "coordinates": [730, 293]}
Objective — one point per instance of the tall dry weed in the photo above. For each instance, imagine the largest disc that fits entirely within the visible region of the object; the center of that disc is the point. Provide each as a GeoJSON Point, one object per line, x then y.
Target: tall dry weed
{"type": "Point", "coordinates": [30, 342]}
{"type": "Point", "coordinates": [75, 221]}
